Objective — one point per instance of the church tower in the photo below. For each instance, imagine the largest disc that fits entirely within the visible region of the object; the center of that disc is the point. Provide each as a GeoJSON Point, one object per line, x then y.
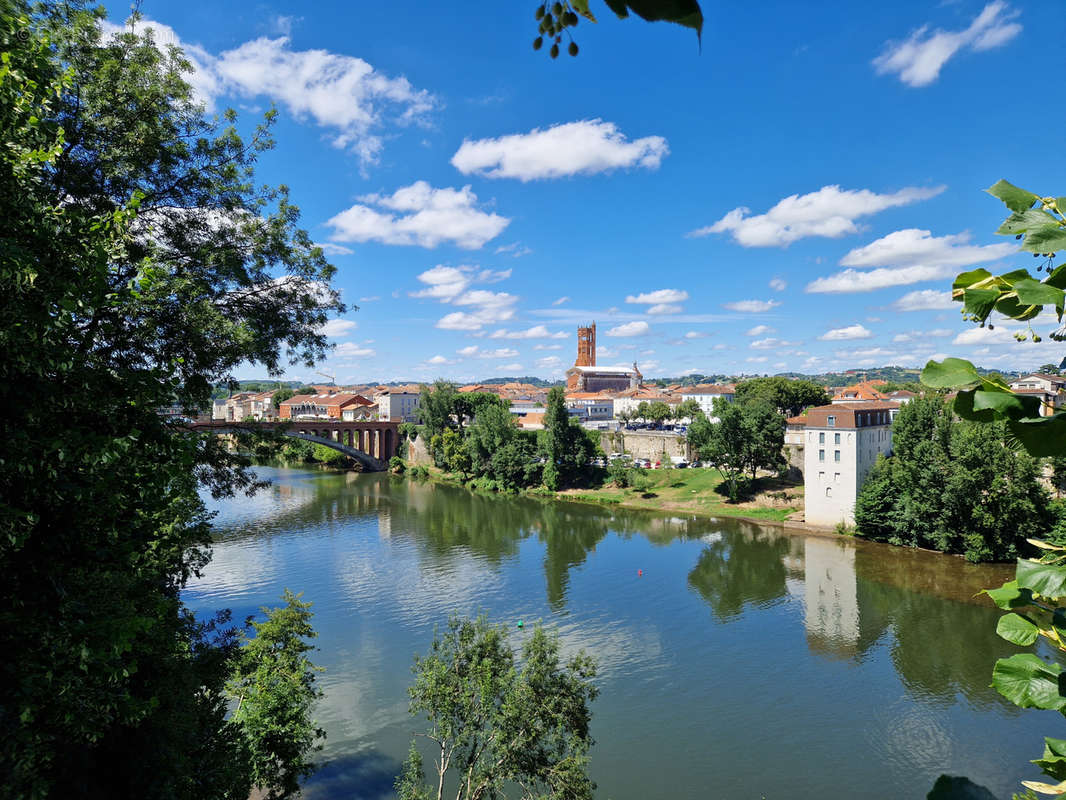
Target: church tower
{"type": "Point", "coordinates": [586, 346]}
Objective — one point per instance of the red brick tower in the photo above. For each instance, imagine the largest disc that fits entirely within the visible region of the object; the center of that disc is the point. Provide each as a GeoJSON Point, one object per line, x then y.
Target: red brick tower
{"type": "Point", "coordinates": [586, 346]}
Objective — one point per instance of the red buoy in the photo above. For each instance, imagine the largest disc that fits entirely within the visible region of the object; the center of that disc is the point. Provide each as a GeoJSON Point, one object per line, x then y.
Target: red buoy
{"type": "Point", "coordinates": [640, 572]}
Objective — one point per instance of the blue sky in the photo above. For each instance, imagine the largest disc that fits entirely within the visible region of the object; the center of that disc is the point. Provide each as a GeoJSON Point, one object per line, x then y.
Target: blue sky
{"type": "Point", "coordinates": [796, 196]}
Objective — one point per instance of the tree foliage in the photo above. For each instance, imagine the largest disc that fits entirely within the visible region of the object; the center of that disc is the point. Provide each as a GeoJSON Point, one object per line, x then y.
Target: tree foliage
{"type": "Point", "coordinates": [788, 396]}
{"type": "Point", "coordinates": [501, 728]}
{"type": "Point", "coordinates": [953, 486]}
{"type": "Point", "coordinates": [564, 444]}
{"type": "Point", "coordinates": [139, 264]}
{"type": "Point", "coordinates": [747, 437]}
{"type": "Point", "coordinates": [1039, 587]}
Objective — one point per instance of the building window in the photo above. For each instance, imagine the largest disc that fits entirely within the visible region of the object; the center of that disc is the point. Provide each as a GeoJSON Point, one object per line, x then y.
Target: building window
{"type": "Point", "coordinates": [836, 456]}
{"type": "Point", "coordinates": [821, 455]}
{"type": "Point", "coordinates": [831, 422]}
{"type": "Point", "coordinates": [828, 491]}
{"type": "Point", "coordinates": [821, 476]}
{"type": "Point", "coordinates": [836, 477]}
{"type": "Point", "coordinates": [821, 438]}
{"type": "Point", "coordinates": [836, 438]}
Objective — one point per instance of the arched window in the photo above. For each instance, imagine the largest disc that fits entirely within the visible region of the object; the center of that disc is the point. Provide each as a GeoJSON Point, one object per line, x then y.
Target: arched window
{"type": "Point", "coordinates": [828, 491]}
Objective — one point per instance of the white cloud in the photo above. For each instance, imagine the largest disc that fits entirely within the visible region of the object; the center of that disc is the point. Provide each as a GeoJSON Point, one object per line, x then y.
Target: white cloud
{"type": "Point", "coordinates": [503, 352]}
{"type": "Point", "coordinates": [665, 308]}
{"type": "Point", "coordinates": [659, 296]}
{"type": "Point", "coordinates": [771, 343]}
{"type": "Point", "coordinates": [854, 280]}
{"type": "Point", "coordinates": [695, 335]}
{"type": "Point", "coordinates": [917, 336]}
{"type": "Point", "coordinates": [466, 352]}
{"type": "Point", "coordinates": [850, 332]}
{"type": "Point", "coordinates": [445, 283]}
{"type": "Point", "coordinates": [560, 301]}
{"type": "Point", "coordinates": [548, 362]}
{"type": "Point", "coordinates": [335, 328]}
{"type": "Point", "coordinates": [751, 306]}
{"type": "Point", "coordinates": [369, 299]}
{"type": "Point", "coordinates": [331, 249]}
{"type": "Point", "coordinates": [584, 147]}
{"type": "Point", "coordinates": [427, 217]}
{"type": "Point", "coordinates": [548, 347]}
{"type": "Point", "coordinates": [511, 367]}
{"type": "Point", "coordinates": [985, 336]}
{"type": "Point", "coordinates": [914, 247]}
{"type": "Point", "coordinates": [515, 250]}
{"type": "Point", "coordinates": [342, 93]}
{"type": "Point", "coordinates": [757, 359]}
{"type": "Point", "coordinates": [759, 330]}
{"type": "Point", "coordinates": [918, 60]}
{"type": "Point", "coordinates": [924, 300]}
{"type": "Point", "coordinates": [536, 332]}
{"type": "Point", "coordinates": [352, 350]}
{"type": "Point", "coordinates": [475, 320]}
{"type": "Point", "coordinates": [829, 212]}
{"type": "Point", "coordinates": [438, 360]}
{"type": "Point", "coordinates": [637, 328]}
{"type": "Point", "coordinates": [778, 284]}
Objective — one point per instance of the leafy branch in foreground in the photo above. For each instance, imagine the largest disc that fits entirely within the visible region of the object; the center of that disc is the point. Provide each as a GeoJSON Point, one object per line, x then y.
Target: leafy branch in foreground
{"type": "Point", "coordinates": [556, 18]}
{"type": "Point", "coordinates": [1036, 598]}
{"type": "Point", "coordinates": [495, 725]}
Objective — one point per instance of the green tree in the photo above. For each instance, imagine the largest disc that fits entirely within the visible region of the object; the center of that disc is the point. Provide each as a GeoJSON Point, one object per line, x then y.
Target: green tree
{"type": "Point", "coordinates": [116, 298]}
{"type": "Point", "coordinates": [687, 409]}
{"type": "Point", "coordinates": [564, 444]}
{"type": "Point", "coordinates": [280, 396]}
{"type": "Point", "coordinates": [492, 428]}
{"type": "Point", "coordinates": [273, 686]}
{"type": "Point", "coordinates": [788, 396]}
{"type": "Point", "coordinates": [953, 486]}
{"type": "Point", "coordinates": [747, 437]}
{"type": "Point", "coordinates": [501, 728]}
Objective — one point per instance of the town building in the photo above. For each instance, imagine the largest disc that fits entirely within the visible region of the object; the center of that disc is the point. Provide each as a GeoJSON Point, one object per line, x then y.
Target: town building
{"type": "Point", "coordinates": [242, 406]}
{"type": "Point", "coordinates": [628, 401]}
{"type": "Point", "coordinates": [706, 394]}
{"type": "Point", "coordinates": [398, 406]}
{"type": "Point", "coordinates": [586, 376]}
{"type": "Point", "coordinates": [841, 443]}
{"type": "Point", "coordinates": [321, 406]}
{"type": "Point", "coordinates": [590, 405]}
{"type": "Point", "coordinates": [1050, 390]}
{"type": "Point", "coordinates": [866, 392]}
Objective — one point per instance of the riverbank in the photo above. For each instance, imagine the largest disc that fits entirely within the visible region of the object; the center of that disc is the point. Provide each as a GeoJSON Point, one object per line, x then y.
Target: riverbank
{"type": "Point", "coordinates": [685, 491]}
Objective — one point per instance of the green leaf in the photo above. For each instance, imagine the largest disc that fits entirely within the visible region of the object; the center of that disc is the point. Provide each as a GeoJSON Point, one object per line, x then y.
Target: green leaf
{"type": "Point", "coordinates": [1006, 404]}
{"type": "Point", "coordinates": [980, 302]}
{"type": "Point", "coordinates": [1035, 293]}
{"type": "Point", "coordinates": [1010, 595]}
{"type": "Point", "coordinates": [1010, 307]}
{"type": "Point", "coordinates": [1057, 278]}
{"type": "Point", "coordinates": [1020, 222]}
{"type": "Point", "coordinates": [1053, 762]}
{"type": "Point", "coordinates": [951, 373]}
{"type": "Point", "coordinates": [966, 279]}
{"type": "Point", "coordinates": [582, 8]}
{"type": "Point", "coordinates": [1046, 580]}
{"type": "Point", "coordinates": [1028, 682]}
{"type": "Point", "coordinates": [680, 12]}
{"type": "Point", "coordinates": [1017, 629]}
{"type": "Point", "coordinates": [1041, 436]}
{"type": "Point", "coordinates": [1048, 239]}
{"type": "Point", "coordinates": [1015, 199]}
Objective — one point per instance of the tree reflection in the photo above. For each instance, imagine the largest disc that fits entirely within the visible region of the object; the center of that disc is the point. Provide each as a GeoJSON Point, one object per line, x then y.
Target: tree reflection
{"type": "Point", "coordinates": [743, 566]}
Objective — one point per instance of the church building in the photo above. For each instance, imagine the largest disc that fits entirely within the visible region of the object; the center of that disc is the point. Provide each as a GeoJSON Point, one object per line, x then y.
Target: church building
{"type": "Point", "coordinates": [585, 376]}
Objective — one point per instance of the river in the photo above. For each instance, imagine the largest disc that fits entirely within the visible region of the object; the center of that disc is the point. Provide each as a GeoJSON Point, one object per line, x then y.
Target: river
{"type": "Point", "coordinates": [736, 660]}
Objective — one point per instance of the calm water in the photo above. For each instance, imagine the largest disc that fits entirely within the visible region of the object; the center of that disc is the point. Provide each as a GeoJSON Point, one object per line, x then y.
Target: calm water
{"type": "Point", "coordinates": [745, 662]}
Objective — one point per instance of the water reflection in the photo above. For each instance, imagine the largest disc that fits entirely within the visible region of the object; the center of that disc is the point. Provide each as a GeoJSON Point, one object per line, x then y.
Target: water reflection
{"type": "Point", "coordinates": [851, 644]}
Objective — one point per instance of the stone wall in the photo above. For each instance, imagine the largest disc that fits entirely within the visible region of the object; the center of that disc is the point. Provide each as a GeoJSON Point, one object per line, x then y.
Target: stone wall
{"type": "Point", "coordinates": [418, 452]}
{"type": "Point", "coordinates": [645, 444]}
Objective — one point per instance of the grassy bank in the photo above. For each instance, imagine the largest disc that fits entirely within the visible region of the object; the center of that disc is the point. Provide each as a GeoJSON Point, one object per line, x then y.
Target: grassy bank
{"type": "Point", "coordinates": [688, 491]}
{"type": "Point", "coordinates": [698, 491]}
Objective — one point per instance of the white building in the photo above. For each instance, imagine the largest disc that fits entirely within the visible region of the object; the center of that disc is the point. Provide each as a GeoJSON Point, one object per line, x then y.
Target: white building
{"type": "Point", "coordinates": [591, 406]}
{"type": "Point", "coordinates": [1050, 390]}
{"type": "Point", "coordinates": [841, 443]}
{"type": "Point", "coordinates": [705, 395]}
{"type": "Point", "coordinates": [398, 406]}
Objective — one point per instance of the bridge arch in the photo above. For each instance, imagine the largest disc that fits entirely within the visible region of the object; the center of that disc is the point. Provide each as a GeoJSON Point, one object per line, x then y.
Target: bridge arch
{"type": "Point", "coordinates": [371, 443]}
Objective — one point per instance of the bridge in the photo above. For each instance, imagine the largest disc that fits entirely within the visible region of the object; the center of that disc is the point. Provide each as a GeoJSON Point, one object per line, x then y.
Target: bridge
{"type": "Point", "coordinates": [372, 444]}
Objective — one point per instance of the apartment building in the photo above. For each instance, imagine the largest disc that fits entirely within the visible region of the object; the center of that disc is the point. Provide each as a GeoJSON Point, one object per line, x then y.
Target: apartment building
{"type": "Point", "coordinates": [841, 442]}
{"type": "Point", "coordinates": [398, 406]}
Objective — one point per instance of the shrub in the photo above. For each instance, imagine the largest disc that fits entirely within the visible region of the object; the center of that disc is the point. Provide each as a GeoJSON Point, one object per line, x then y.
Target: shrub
{"type": "Point", "coordinates": [397, 466]}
